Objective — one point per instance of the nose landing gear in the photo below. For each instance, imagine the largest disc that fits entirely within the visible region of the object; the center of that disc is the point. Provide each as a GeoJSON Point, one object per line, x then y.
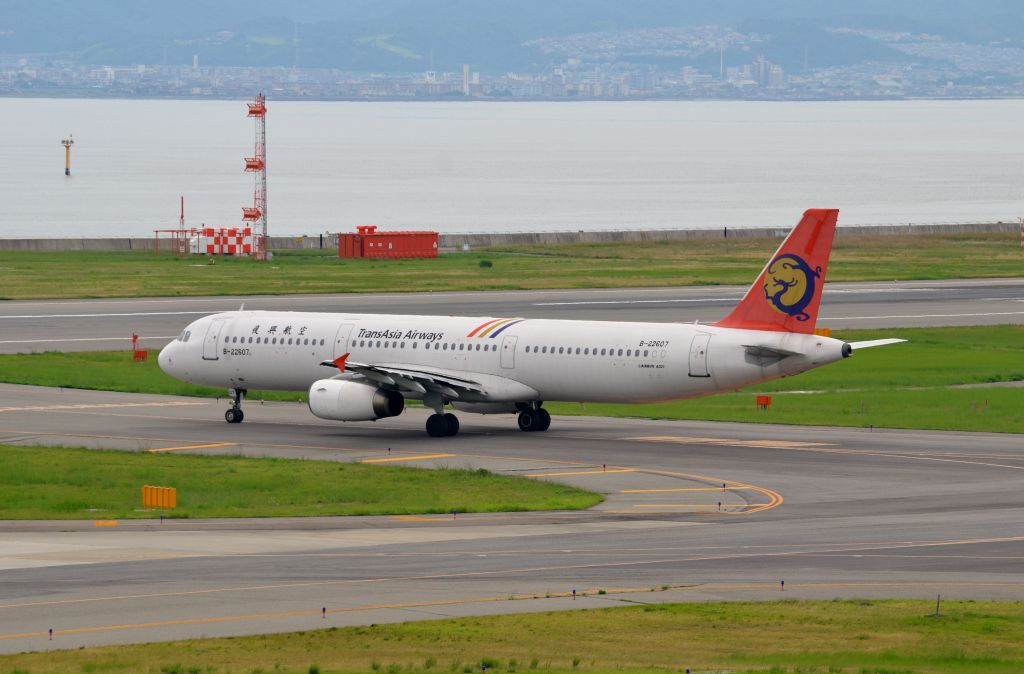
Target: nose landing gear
{"type": "Point", "coordinates": [234, 415]}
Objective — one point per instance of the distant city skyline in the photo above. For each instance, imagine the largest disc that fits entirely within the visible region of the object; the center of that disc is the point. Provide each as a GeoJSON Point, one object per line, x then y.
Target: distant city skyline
{"type": "Point", "coordinates": [526, 50]}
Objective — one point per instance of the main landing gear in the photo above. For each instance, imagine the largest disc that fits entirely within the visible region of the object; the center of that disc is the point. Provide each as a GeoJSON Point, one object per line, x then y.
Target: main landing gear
{"type": "Point", "coordinates": [440, 424]}
{"type": "Point", "coordinates": [235, 415]}
{"type": "Point", "coordinates": [534, 418]}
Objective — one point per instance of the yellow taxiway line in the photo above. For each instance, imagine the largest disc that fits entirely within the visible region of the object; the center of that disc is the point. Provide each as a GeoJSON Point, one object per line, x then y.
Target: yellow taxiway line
{"type": "Point", "coordinates": [421, 457]}
{"type": "Point", "coordinates": [207, 446]}
{"type": "Point", "coordinates": [585, 472]}
{"type": "Point", "coordinates": [662, 491]}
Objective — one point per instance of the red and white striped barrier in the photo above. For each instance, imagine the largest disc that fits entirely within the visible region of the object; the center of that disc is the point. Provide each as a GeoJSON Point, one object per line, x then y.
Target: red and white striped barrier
{"type": "Point", "coordinates": [226, 241]}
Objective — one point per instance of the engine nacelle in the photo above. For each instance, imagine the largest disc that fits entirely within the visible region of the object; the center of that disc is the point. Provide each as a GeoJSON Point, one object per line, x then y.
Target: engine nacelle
{"type": "Point", "coordinates": [343, 400]}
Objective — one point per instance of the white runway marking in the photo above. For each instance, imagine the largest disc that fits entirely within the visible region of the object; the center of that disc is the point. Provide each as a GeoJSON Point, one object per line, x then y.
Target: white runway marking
{"type": "Point", "coordinates": [138, 313]}
{"type": "Point", "coordinates": [863, 318]}
{"type": "Point", "coordinates": [665, 301]}
{"type": "Point", "coordinates": [85, 339]}
{"type": "Point", "coordinates": [96, 406]}
{"type": "Point", "coordinates": [736, 296]}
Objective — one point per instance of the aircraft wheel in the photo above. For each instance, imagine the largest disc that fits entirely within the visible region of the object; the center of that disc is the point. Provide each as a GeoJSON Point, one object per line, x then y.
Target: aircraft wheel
{"type": "Point", "coordinates": [543, 419]}
{"type": "Point", "coordinates": [528, 421]}
{"type": "Point", "coordinates": [233, 416]}
{"type": "Point", "coordinates": [437, 426]}
{"type": "Point", "coordinates": [452, 422]}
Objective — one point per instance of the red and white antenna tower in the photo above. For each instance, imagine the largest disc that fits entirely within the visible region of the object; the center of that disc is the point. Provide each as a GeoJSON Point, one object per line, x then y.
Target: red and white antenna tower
{"type": "Point", "coordinates": [258, 165]}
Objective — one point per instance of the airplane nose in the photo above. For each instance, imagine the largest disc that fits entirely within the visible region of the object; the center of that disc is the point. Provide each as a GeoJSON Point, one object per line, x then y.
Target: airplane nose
{"type": "Point", "coordinates": [165, 359]}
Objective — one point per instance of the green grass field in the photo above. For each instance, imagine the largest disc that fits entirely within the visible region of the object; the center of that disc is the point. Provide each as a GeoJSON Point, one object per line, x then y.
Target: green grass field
{"type": "Point", "coordinates": [783, 637]}
{"type": "Point", "coordinates": [661, 263]}
{"type": "Point", "coordinates": [912, 385]}
{"type": "Point", "coordinates": [65, 483]}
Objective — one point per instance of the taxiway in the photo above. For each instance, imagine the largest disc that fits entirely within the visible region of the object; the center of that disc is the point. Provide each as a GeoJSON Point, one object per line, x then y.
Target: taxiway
{"type": "Point", "coordinates": [97, 325]}
{"type": "Point", "coordinates": [832, 512]}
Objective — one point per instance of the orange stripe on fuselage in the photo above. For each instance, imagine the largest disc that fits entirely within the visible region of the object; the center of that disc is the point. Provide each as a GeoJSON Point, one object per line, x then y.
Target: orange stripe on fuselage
{"type": "Point", "coordinates": [484, 325]}
{"type": "Point", "coordinates": [488, 331]}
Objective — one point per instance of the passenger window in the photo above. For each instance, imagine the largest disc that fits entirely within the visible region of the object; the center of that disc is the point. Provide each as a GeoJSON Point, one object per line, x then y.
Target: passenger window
{"type": "Point", "coordinates": [321, 342]}
{"type": "Point", "coordinates": [414, 344]}
{"type": "Point", "coordinates": [403, 345]}
{"type": "Point", "coordinates": [577, 350]}
{"type": "Point", "coordinates": [620, 352]}
{"type": "Point", "coordinates": [275, 340]}
{"type": "Point", "coordinates": [645, 353]}
{"type": "Point", "coordinates": [586, 351]}
{"type": "Point", "coordinates": [629, 352]}
{"type": "Point", "coordinates": [462, 347]}
{"type": "Point", "coordinates": [544, 349]}
{"type": "Point", "coordinates": [602, 352]}
{"type": "Point", "coordinates": [446, 346]}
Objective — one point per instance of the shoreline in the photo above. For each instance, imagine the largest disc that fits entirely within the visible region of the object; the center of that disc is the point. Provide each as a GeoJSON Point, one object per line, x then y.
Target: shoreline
{"type": "Point", "coordinates": [456, 242]}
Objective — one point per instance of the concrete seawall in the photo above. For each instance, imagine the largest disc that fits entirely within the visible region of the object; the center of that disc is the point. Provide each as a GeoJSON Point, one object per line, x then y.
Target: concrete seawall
{"type": "Point", "coordinates": [452, 242]}
{"type": "Point", "coordinates": [456, 241]}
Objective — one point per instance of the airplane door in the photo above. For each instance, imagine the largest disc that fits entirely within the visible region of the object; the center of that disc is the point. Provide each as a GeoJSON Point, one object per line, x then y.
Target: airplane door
{"type": "Point", "coordinates": [341, 340]}
{"type": "Point", "coordinates": [211, 344]}
{"type": "Point", "coordinates": [699, 355]}
{"type": "Point", "coordinates": [508, 351]}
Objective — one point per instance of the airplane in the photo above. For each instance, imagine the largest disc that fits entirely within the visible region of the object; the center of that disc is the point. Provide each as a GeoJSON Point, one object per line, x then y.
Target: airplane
{"type": "Point", "coordinates": [492, 365]}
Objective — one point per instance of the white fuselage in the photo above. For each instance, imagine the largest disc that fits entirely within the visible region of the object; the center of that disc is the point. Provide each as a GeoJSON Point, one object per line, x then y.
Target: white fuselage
{"type": "Point", "coordinates": [514, 360]}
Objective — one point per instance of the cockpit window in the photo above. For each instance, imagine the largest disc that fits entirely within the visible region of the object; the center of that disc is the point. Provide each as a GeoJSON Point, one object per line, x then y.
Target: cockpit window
{"type": "Point", "coordinates": [185, 334]}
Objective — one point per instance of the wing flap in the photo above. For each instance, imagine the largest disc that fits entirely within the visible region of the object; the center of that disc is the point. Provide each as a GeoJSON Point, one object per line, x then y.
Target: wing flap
{"type": "Point", "coordinates": [419, 380]}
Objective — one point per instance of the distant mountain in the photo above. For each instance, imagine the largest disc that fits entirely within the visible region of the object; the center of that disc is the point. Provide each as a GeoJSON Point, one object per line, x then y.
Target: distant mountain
{"type": "Point", "coordinates": [413, 35]}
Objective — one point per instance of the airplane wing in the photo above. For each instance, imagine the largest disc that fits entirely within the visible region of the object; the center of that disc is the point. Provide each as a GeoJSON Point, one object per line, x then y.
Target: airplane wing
{"type": "Point", "coordinates": [414, 379]}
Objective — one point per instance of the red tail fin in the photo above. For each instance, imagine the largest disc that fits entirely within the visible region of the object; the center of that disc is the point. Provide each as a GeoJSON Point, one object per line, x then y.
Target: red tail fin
{"type": "Point", "coordinates": [785, 297]}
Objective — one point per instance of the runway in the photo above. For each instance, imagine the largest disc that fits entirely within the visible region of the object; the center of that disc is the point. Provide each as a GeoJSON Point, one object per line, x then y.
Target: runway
{"type": "Point", "coordinates": [83, 325]}
{"type": "Point", "coordinates": [832, 512]}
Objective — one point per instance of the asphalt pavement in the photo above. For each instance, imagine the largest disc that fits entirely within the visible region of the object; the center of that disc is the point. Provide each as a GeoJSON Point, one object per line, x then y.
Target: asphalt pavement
{"type": "Point", "coordinates": [97, 325]}
{"type": "Point", "coordinates": [833, 512]}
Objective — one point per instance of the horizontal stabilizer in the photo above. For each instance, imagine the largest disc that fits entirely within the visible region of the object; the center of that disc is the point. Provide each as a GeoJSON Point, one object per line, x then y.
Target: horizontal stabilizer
{"type": "Point", "coordinates": [874, 342]}
{"type": "Point", "coordinates": [768, 351]}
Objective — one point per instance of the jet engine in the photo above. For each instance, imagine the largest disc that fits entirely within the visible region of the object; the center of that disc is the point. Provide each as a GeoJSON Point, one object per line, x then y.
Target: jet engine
{"type": "Point", "coordinates": [344, 400]}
